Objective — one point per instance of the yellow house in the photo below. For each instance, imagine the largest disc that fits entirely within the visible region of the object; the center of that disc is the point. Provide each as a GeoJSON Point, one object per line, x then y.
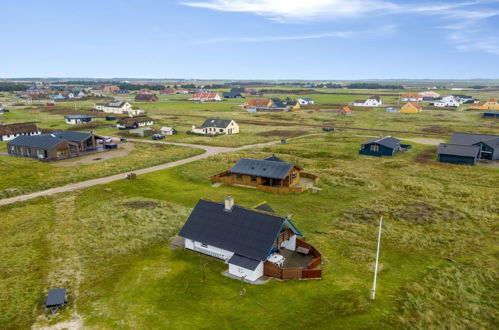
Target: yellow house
{"type": "Point", "coordinates": [491, 104]}
{"type": "Point", "coordinates": [291, 104]}
{"type": "Point", "coordinates": [411, 107]}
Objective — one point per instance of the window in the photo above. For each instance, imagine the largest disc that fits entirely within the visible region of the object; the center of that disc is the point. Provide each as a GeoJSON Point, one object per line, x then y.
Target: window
{"type": "Point", "coordinates": [239, 177]}
{"type": "Point", "coordinates": [374, 148]}
{"type": "Point", "coordinates": [253, 178]}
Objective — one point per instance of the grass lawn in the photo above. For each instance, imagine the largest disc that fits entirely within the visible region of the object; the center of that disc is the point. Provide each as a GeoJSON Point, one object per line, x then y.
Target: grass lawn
{"type": "Point", "coordinates": [22, 175]}
{"type": "Point", "coordinates": [128, 278]}
{"type": "Point", "coordinates": [109, 244]}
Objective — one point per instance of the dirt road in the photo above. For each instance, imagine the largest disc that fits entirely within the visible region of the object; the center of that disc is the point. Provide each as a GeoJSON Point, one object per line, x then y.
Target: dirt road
{"type": "Point", "coordinates": [209, 151]}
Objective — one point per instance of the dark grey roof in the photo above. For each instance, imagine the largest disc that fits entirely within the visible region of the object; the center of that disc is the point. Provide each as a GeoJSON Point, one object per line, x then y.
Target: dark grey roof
{"type": "Point", "coordinates": [470, 139]}
{"type": "Point", "coordinates": [45, 141]}
{"type": "Point", "coordinates": [231, 94]}
{"type": "Point", "coordinates": [55, 297]}
{"type": "Point", "coordinates": [216, 122]}
{"type": "Point", "coordinates": [273, 158]}
{"type": "Point", "coordinates": [387, 141]}
{"type": "Point", "coordinates": [130, 121]}
{"type": "Point", "coordinates": [263, 168]}
{"type": "Point", "coordinates": [458, 150]}
{"type": "Point", "coordinates": [72, 136]}
{"type": "Point", "coordinates": [114, 104]}
{"type": "Point", "coordinates": [244, 262]}
{"type": "Point", "coordinates": [265, 207]}
{"type": "Point", "coordinates": [279, 104]}
{"type": "Point", "coordinates": [246, 232]}
{"type": "Point", "coordinates": [78, 117]}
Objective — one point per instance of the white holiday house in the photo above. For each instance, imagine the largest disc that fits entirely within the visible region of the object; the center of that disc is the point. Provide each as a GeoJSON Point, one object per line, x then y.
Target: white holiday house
{"type": "Point", "coordinates": [134, 122]}
{"type": "Point", "coordinates": [306, 101]}
{"type": "Point", "coordinates": [243, 238]}
{"type": "Point", "coordinates": [216, 126]}
{"type": "Point", "coordinates": [10, 132]}
{"type": "Point", "coordinates": [447, 101]}
{"type": "Point", "coordinates": [166, 130]}
{"type": "Point", "coordinates": [119, 107]}
{"type": "Point", "coordinates": [373, 101]}
{"type": "Point", "coordinates": [78, 119]}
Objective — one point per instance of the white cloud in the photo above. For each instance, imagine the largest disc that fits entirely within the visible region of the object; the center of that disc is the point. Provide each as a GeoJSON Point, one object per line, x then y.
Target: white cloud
{"type": "Point", "coordinates": [383, 31]}
{"type": "Point", "coordinates": [465, 20]}
{"type": "Point", "coordinates": [287, 10]}
{"type": "Point", "coordinates": [301, 10]}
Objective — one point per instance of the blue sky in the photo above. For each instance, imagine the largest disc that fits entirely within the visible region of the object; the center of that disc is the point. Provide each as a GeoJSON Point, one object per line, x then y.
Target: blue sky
{"type": "Point", "coordinates": [250, 39]}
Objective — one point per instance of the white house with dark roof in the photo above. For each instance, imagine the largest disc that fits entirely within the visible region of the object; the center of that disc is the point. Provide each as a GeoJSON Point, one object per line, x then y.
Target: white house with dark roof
{"type": "Point", "coordinates": [118, 107]}
{"type": "Point", "coordinates": [10, 132]}
{"type": "Point", "coordinates": [373, 101]}
{"type": "Point", "coordinates": [78, 119]}
{"type": "Point", "coordinates": [134, 122]}
{"type": "Point", "coordinates": [245, 239]}
{"type": "Point", "coordinates": [216, 126]}
{"type": "Point", "coordinates": [306, 101]}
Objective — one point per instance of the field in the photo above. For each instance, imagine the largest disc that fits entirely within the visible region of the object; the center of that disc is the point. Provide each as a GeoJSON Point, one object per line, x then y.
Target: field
{"type": "Point", "coordinates": [22, 176]}
{"type": "Point", "coordinates": [109, 244]}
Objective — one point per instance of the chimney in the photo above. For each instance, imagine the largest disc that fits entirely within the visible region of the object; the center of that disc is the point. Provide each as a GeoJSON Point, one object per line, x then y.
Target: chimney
{"type": "Point", "coordinates": [229, 204]}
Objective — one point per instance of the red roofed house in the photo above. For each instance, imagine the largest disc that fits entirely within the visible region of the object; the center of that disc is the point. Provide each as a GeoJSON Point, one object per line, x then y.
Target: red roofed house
{"type": "Point", "coordinates": [209, 96]}
{"type": "Point", "coordinates": [412, 98]}
{"type": "Point", "coordinates": [167, 90]}
{"type": "Point", "coordinates": [491, 104]}
{"type": "Point", "coordinates": [109, 88]}
{"type": "Point", "coordinates": [257, 103]}
{"type": "Point", "coordinates": [146, 98]}
{"type": "Point", "coordinates": [345, 111]}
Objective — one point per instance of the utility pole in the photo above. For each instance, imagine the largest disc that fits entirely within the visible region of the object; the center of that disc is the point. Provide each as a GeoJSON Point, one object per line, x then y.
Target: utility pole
{"type": "Point", "coordinates": [243, 290]}
{"type": "Point", "coordinates": [373, 292]}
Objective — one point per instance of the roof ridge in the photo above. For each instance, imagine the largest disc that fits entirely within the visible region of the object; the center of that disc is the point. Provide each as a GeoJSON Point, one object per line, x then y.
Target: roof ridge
{"type": "Point", "coordinates": [245, 208]}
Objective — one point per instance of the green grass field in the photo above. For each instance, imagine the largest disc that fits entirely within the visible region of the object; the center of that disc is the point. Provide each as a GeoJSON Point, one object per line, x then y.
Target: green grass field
{"type": "Point", "coordinates": [109, 244]}
{"type": "Point", "coordinates": [129, 278]}
{"type": "Point", "coordinates": [22, 175]}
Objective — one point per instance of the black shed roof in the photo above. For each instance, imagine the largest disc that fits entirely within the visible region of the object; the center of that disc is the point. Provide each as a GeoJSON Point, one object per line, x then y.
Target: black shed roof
{"type": "Point", "coordinates": [45, 141]}
{"type": "Point", "coordinates": [244, 262]}
{"type": "Point", "coordinates": [470, 139]}
{"type": "Point", "coordinates": [55, 297]}
{"type": "Point", "coordinates": [458, 150]}
{"type": "Point", "coordinates": [262, 167]}
{"type": "Point", "coordinates": [387, 141]}
{"type": "Point", "coordinates": [78, 117]}
{"type": "Point", "coordinates": [72, 136]}
{"type": "Point", "coordinates": [245, 232]}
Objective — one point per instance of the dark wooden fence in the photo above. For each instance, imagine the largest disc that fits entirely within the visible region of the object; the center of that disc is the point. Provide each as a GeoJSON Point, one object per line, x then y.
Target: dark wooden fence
{"type": "Point", "coordinates": [272, 270]}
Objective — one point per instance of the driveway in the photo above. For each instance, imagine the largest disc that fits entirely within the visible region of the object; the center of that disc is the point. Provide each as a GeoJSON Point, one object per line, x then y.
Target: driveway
{"type": "Point", "coordinates": [209, 151]}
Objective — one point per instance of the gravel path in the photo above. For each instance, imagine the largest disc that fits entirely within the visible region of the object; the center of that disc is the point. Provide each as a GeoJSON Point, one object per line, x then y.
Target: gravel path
{"type": "Point", "coordinates": [209, 151]}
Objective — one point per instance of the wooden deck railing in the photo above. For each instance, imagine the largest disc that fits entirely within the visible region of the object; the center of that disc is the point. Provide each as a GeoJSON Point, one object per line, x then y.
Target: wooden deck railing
{"type": "Point", "coordinates": [272, 270]}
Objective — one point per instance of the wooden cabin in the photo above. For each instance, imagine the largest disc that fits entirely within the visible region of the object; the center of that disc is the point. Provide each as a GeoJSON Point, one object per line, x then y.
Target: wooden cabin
{"type": "Point", "coordinates": [269, 174]}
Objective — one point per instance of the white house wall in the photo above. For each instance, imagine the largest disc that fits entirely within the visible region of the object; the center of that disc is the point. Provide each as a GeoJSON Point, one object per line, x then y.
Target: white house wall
{"type": "Point", "coordinates": [208, 249]}
{"type": "Point", "coordinates": [250, 275]}
{"type": "Point", "coordinates": [13, 136]}
{"type": "Point", "coordinates": [290, 243]}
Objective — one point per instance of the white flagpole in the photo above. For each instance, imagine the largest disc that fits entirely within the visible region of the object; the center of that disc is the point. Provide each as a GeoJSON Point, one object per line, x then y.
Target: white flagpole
{"type": "Point", "coordinates": [373, 292]}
